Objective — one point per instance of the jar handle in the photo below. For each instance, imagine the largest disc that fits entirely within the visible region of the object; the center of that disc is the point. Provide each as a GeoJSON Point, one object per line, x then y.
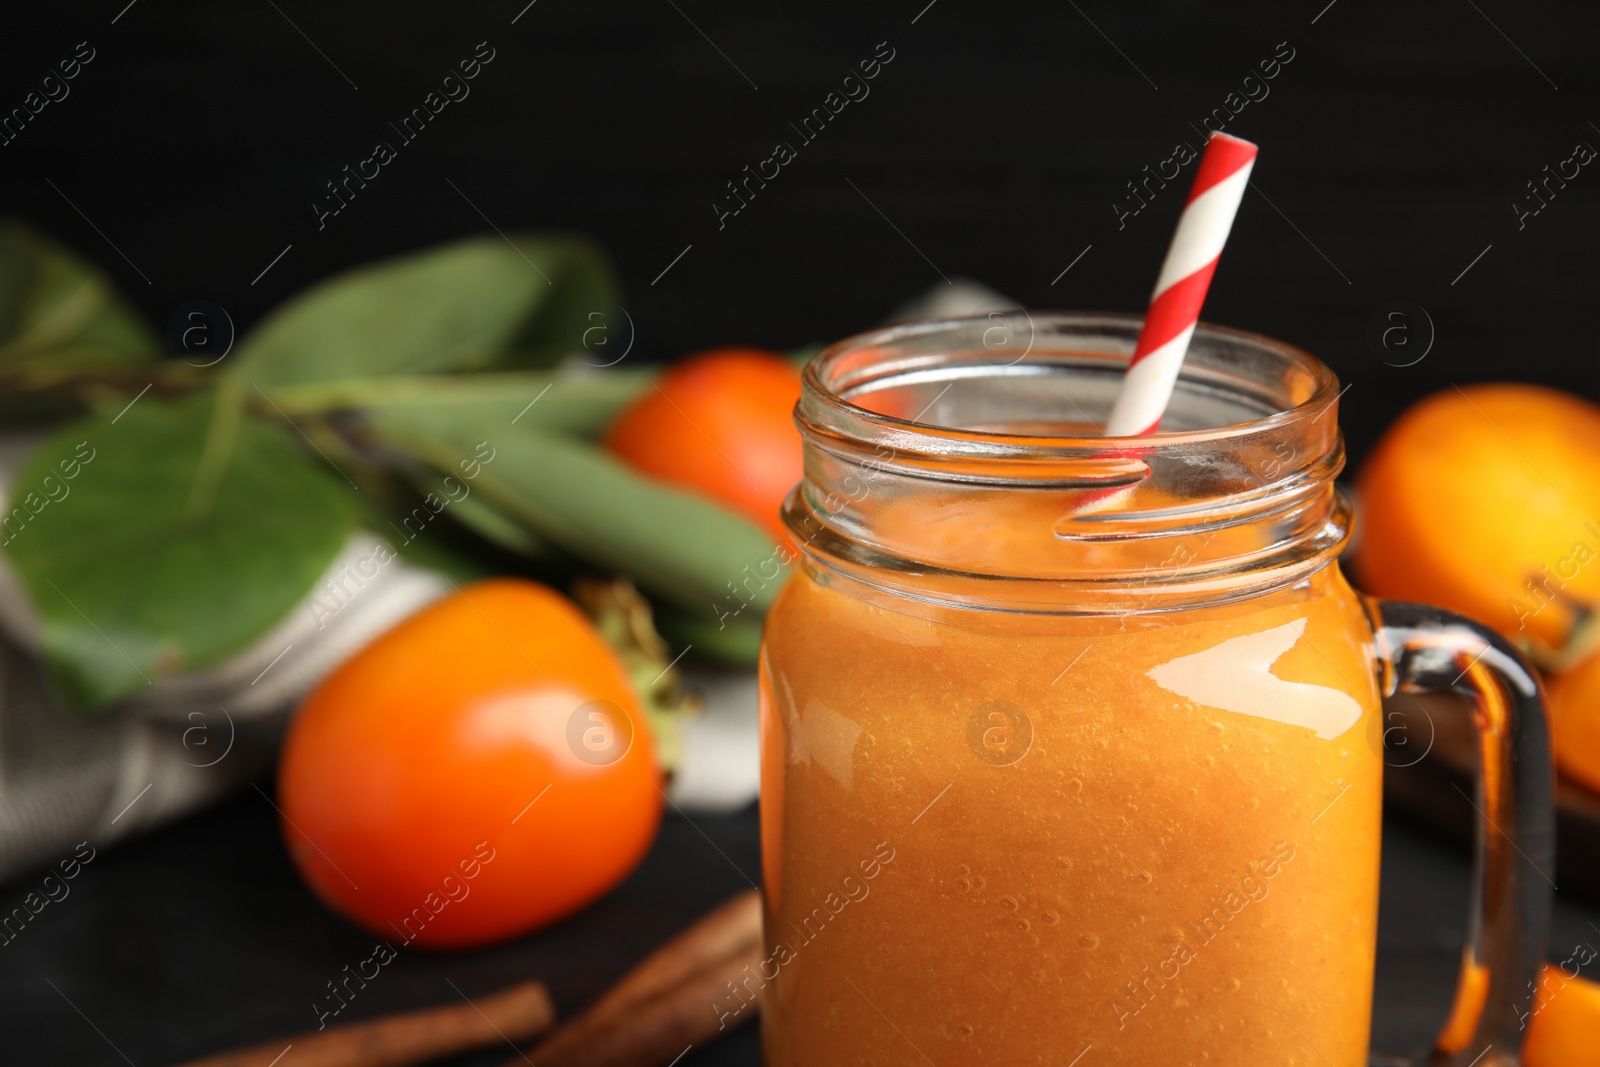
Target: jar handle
{"type": "Point", "coordinates": [1422, 648]}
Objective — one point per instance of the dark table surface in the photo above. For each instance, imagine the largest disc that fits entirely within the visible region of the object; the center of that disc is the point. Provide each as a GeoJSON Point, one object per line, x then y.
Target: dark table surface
{"type": "Point", "coordinates": [201, 937]}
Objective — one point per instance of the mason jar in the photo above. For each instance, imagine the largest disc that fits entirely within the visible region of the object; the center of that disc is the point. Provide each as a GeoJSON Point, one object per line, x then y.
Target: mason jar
{"type": "Point", "coordinates": [1072, 747]}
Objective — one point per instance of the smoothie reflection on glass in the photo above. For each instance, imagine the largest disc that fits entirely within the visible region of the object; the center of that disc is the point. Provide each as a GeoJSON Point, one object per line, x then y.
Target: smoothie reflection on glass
{"type": "Point", "coordinates": [1072, 746]}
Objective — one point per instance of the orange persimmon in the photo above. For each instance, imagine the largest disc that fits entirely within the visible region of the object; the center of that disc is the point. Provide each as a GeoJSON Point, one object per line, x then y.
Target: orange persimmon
{"type": "Point", "coordinates": [480, 770]}
{"type": "Point", "coordinates": [719, 424]}
{"type": "Point", "coordinates": [1485, 499]}
{"type": "Point", "coordinates": [1575, 723]}
{"type": "Point", "coordinates": [1565, 1028]}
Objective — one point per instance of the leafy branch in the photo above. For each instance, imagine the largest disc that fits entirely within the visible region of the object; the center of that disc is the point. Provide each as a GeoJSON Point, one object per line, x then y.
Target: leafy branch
{"type": "Point", "coordinates": [215, 498]}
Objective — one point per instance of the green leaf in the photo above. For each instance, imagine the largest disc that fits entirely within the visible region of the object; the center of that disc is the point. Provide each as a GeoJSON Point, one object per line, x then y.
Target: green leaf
{"type": "Point", "coordinates": [55, 303]}
{"type": "Point", "coordinates": [582, 402]}
{"type": "Point", "coordinates": [473, 304]}
{"type": "Point", "coordinates": [582, 500]}
{"type": "Point", "coordinates": [728, 638]}
{"type": "Point", "coordinates": [498, 528]}
{"type": "Point", "coordinates": [131, 579]}
{"type": "Point", "coordinates": [580, 312]}
{"type": "Point", "coordinates": [470, 510]}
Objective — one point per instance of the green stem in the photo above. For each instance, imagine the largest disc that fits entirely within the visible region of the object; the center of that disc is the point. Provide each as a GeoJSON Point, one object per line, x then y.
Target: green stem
{"type": "Point", "coordinates": [217, 452]}
{"type": "Point", "coordinates": [322, 397]}
{"type": "Point", "coordinates": [39, 378]}
{"type": "Point", "coordinates": [64, 322]}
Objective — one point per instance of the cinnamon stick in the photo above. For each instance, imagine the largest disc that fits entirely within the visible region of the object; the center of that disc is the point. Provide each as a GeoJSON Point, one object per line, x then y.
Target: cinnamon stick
{"type": "Point", "coordinates": [519, 1013]}
{"type": "Point", "coordinates": [723, 931]}
{"type": "Point", "coordinates": [655, 1032]}
{"type": "Point", "coordinates": [670, 1000]}
{"type": "Point", "coordinates": [677, 996]}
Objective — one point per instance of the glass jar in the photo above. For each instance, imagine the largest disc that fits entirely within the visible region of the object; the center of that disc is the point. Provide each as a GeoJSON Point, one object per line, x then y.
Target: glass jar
{"type": "Point", "coordinates": [1072, 747]}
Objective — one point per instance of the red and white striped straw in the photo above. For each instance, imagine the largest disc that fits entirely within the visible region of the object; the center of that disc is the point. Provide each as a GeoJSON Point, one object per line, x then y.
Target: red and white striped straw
{"type": "Point", "coordinates": [1219, 184]}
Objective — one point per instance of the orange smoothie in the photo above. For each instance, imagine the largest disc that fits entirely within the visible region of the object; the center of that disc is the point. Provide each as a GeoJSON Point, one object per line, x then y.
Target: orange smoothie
{"type": "Point", "coordinates": [1009, 838]}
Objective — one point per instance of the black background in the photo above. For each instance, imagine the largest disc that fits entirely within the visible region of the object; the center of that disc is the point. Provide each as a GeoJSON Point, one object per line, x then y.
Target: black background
{"type": "Point", "coordinates": [1393, 147]}
{"type": "Point", "coordinates": [188, 153]}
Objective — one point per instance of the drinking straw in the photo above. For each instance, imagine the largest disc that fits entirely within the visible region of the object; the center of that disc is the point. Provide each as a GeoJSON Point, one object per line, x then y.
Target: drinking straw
{"type": "Point", "coordinates": [1219, 183]}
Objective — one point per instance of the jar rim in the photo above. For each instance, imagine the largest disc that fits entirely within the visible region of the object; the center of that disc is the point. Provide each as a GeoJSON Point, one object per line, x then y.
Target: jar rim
{"type": "Point", "coordinates": [821, 380]}
{"type": "Point", "coordinates": [990, 502]}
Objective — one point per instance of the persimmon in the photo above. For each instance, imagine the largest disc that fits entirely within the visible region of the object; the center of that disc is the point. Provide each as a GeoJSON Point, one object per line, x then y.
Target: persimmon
{"type": "Point", "coordinates": [1566, 1021]}
{"type": "Point", "coordinates": [1486, 500]}
{"type": "Point", "coordinates": [1575, 721]}
{"type": "Point", "coordinates": [1560, 1029]}
{"type": "Point", "coordinates": [480, 770]}
{"type": "Point", "coordinates": [719, 424]}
